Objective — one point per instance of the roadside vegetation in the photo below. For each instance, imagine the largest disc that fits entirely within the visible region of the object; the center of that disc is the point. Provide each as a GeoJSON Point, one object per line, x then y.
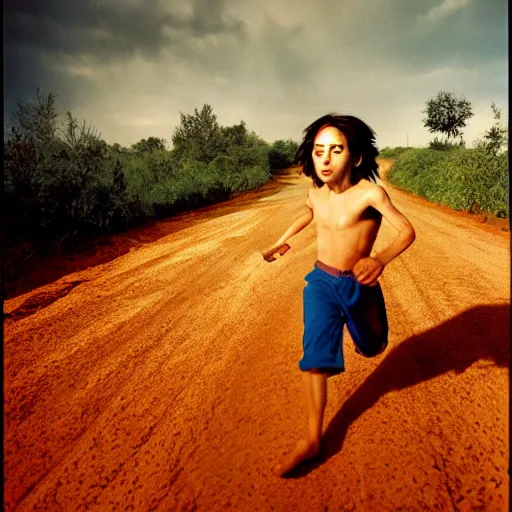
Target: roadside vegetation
{"type": "Point", "coordinates": [469, 179]}
{"type": "Point", "coordinates": [64, 184]}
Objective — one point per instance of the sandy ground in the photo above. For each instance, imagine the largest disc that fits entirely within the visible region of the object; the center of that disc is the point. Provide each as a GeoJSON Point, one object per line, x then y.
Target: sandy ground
{"type": "Point", "coordinates": [159, 372]}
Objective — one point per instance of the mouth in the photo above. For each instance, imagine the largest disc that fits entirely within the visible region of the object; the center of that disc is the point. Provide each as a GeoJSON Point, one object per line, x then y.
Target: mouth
{"type": "Point", "coordinates": [326, 172]}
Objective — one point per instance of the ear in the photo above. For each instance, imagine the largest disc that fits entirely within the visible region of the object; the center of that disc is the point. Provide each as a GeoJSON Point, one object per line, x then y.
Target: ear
{"type": "Point", "coordinates": [357, 162]}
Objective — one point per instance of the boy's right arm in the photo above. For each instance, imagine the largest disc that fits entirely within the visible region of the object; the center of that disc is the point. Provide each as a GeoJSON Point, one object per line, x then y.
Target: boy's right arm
{"type": "Point", "coordinates": [298, 225]}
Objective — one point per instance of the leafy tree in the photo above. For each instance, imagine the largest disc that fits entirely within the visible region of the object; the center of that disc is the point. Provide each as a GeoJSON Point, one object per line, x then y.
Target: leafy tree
{"type": "Point", "coordinates": [199, 136]}
{"type": "Point", "coordinates": [30, 143]}
{"type": "Point", "coordinates": [149, 145]}
{"type": "Point", "coordinates": [447, 114]}
{"type": "Point", "coordinates": [63, 182]}
{"type": "Point", "coordinates": [496, 136]}
{"type": "Point", "coordinates": [29, 139]}
{"type": "Point", "coordinates": [117, 148]}
{"type": "Point", "coordinates": [282, 154]}
{"type": "Point", "coordinates": [36, 121]}
{"type": "Point", "coordinates": [235, 135]}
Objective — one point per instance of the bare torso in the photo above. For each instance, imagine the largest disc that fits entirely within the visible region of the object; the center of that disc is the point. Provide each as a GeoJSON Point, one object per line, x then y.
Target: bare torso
{"type": "Point", "coordinates": [346, 225]}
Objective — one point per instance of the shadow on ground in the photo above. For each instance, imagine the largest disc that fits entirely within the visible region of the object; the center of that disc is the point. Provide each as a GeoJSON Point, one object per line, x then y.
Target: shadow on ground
{"type": "Point", "coordinates": [481, 333]}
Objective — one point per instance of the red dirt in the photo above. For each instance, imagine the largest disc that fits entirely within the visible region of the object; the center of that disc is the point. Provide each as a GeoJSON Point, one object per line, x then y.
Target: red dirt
{"type": "Point", "coordinates": [159, 372]}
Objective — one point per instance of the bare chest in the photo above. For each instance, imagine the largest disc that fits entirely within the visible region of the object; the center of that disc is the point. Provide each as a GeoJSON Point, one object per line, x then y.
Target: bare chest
{"type": "Point", "coordinates": [348, 211]}
{"type": "Point", "coordinates": [334, 216]}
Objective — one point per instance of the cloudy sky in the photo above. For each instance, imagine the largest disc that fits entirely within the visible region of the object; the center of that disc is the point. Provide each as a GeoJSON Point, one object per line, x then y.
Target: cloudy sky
{"type": "Point", "coordinates": [129, 67]}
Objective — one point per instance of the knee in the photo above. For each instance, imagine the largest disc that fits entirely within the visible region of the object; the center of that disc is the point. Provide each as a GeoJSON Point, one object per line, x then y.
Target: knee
{"type": "Point", "coordinates": [377, 349]}
{"type": "Point", "coordinates": [322, 371]}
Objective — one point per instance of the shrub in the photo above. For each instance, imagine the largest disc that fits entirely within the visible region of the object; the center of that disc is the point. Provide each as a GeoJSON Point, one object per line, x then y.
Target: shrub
{"type": "Point", "coordinates": [63, 182]}
{"type": "Point", "coordinates": [392, 152]}
{"type": "Point", "coordinates": [281, 154]}
{"type": "Point", "coordinates": [442, 145]}
{"type": "Point", "coordinates": [463, 179]}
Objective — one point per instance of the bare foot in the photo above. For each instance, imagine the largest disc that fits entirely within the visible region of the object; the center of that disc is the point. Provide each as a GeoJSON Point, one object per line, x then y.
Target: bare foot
{"type": "Point", "coordinates": [303, 451]}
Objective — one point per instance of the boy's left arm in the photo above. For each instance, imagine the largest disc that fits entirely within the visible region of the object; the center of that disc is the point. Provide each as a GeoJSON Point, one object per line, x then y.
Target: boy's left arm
{"type": "Point", "coordinates": [367, 270]}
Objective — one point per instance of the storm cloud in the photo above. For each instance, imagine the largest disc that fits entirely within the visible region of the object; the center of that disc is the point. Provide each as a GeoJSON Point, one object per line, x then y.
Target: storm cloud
{"type": "Point", "coordinates": [129, 67]}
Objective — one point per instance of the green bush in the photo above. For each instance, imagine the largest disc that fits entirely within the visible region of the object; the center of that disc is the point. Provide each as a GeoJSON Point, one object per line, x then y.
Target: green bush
{"type": "Point", "coordinates": [281, 154]}
{"type": "Point", "coordinates": [63, 182]}
{"type": "Point", "coordinates": [463, 179]}
{"type": "Point", "coordinates": [443, 145]}
{"type": "Point", "coordinates": [388, 152]}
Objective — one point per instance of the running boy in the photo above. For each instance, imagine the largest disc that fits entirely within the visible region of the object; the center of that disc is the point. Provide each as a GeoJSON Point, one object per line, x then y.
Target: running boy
{"type": "Point", "coordinates": [338, 153]}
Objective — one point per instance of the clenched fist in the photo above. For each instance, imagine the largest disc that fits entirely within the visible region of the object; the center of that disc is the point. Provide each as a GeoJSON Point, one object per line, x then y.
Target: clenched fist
{"type": "Point", "coordinates": [270, 253]}
{"type": "Point", "coordinates": [367, 270]}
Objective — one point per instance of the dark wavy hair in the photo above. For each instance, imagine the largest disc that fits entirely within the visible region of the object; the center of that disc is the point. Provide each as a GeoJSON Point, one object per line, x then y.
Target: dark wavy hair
{"type": "Point", "coordinates": [361, 142]}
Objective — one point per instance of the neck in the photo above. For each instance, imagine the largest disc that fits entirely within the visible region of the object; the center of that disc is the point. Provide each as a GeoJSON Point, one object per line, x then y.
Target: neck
{"type": "Point", "coordinates": [341, 186]}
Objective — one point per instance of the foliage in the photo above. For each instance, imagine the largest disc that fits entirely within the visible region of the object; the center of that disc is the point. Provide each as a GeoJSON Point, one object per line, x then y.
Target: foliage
{"type": "Point", "coordinates": [447, 114]}
{"type": "Point", "coordinates": [444, 145]}
{"type": "Point", "coordinates": [495, 139]}
{"type": "Point", "coordinates": [64, 183]}
{"type": "Point", "coordinates": [149, 145]}
{"type": "Point", "coordinates": [117, 148]}
{"type": "Point", "coordinates": [463, 179]}
{"type": "Point", "coordinates": [198, 137]}
{"type": "Point", "coordinates": [234, 135]}
{"type": "Point", "coordinates": [35, 122]}
{"type": "Point", "coordinates": [282, 154]}
{"type": "Point", "coordinates": [59, 180]}
{"type": "Point", "coordinates": [388, 152]}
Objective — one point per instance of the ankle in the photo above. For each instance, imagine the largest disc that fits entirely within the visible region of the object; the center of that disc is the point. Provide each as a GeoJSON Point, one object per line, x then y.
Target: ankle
{"type": "Point", "coordinates": [314, 446]}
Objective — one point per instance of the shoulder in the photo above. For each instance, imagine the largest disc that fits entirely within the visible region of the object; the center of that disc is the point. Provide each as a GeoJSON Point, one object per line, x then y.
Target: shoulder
{"type": "Point", "coordinates": [315, 191]}
{"type": "Point", "coordinates": [312, 190]}
{"type": "Point", "coordinates": [375, 194]}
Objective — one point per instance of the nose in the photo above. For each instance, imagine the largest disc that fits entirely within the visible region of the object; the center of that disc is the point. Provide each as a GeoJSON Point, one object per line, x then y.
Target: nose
{"type": "Point", "coordinates": [327, 157]}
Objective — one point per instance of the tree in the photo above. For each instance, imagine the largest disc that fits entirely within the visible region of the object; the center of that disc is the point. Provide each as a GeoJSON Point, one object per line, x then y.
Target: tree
{"type": "Point", "coordinates": [149, 145]}
{"type": "Point", "coordinates": [199, 136]}
{"type": "Point", "coordinates": [30, 142]}
{"type": "Point", "coordinates": [447, 114]}
{"type": "Point", "coordinates": [496, 136]}
{"type": "Point", "coordinates": [83, 153]}
{"type": "Point", "coordinates": [37, 122]}
{"type": "Point", "coordinates": [282, 154]}
{"type": "Point", "coordinates": [235, 135]}
{"type": "Point", "coordinates": [116, 148]}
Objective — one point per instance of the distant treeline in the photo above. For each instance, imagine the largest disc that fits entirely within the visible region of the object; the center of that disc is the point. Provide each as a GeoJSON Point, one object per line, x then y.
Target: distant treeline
{"type": "Point", "coordinates": [473, 180]}
{"type": "Point", "coordinates": [64, 183]}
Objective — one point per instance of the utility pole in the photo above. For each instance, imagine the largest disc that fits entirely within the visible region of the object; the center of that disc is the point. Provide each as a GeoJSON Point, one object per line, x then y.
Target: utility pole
{"type": "Point", "coordinates": [407, 140]}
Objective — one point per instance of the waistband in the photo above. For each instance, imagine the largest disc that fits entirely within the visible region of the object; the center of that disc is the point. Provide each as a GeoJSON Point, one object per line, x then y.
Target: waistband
{"type": "Point", "coordinates": [333, 271]}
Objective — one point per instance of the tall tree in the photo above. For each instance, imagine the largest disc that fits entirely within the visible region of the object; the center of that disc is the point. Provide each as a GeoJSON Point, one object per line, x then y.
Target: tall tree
{"type": "Point", "coordinates": [36, 121]}
{"type": "Point", "coordinates": [199, 136]}
{"type": "Point", "coordinates": [447, 114]}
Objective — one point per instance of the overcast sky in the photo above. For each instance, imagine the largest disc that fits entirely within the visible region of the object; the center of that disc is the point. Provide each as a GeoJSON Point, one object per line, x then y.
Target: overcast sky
{"type": "Point", "coordinates": [129, 67]}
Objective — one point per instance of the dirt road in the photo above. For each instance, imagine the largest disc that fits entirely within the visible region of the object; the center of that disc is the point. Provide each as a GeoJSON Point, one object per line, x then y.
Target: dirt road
{"type": "Point", "coordinates": [166, 378]}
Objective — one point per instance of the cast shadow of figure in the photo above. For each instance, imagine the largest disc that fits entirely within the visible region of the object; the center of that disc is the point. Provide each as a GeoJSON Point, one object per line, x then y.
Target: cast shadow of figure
{"type": "Point", "coordinates": [479, 333]}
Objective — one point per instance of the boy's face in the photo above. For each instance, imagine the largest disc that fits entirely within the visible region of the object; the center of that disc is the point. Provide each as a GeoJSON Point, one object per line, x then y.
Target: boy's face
{"type": "Point", "coordinates": [331, 156]}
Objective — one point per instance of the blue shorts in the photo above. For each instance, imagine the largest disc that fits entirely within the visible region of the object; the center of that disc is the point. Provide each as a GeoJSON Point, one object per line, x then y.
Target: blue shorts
{"type": "Point", "coordinates": [331, 301]}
